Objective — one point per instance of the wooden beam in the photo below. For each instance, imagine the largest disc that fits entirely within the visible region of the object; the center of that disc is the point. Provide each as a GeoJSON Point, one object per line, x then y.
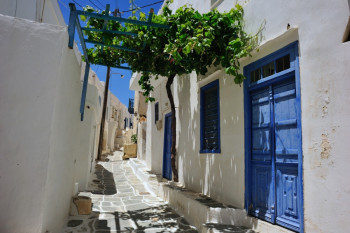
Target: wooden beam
{"type": "Point", "coordinates": [113, 46]}
{"type": "Point", "coordinates": [105, 25]}
{"type": "Point", "coordinates": [71, 26]}
{"type": "Point", "coordinates": [83, 93]}
{"type": "Point", "coordinates": [119, 19]}
{"type": "Point", "coordinates": [109, 31]}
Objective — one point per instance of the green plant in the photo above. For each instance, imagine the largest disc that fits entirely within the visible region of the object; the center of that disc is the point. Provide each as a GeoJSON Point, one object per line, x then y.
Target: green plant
{"type": "Point", "coordinates": [134, 138]}
{"type": "Point", "coordinates": [193, 42]}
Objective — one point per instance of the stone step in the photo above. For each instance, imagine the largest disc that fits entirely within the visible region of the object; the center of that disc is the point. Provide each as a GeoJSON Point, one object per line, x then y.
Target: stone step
{"type": "Point", "coordinates": [205, 213]}
{"type": "Point", "coordinates": [218, 228]}
{"type": "Point", "coordinates": [151, 181]}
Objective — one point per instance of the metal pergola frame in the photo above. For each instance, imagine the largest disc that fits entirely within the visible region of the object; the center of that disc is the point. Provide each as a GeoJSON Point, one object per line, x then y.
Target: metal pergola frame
{"type": "Point", "coordinates": [74, 24]}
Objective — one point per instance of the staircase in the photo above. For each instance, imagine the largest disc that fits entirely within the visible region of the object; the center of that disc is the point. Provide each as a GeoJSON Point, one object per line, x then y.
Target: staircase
{"type": "Point", "coordinates": [205, 213]}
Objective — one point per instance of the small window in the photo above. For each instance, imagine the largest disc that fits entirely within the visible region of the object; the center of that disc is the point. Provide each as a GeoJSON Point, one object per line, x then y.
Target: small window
{"type": "Point", "coordinates": [282, 63]}
{"type": "Point", "coordinates": [99, 100]}
{"type": "Point", "coordinates": [125, 122]}
{"type": "Point", "coordinates": [255, 75]}
{"type": "Point", "coordinates": [268, 69]}
{"type": "Point", "coordinates": [210, 118]}
{"type": "Point", "coordinates": [271, 68]}
{"type": "Point", "coordinates": [156, 112]}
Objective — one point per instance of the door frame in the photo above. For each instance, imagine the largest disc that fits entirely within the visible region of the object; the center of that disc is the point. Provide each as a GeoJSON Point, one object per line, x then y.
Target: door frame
{"type": "Point", "coordinates": [168, 115]}
{"type": "Point", "coordinates": [247, 87]}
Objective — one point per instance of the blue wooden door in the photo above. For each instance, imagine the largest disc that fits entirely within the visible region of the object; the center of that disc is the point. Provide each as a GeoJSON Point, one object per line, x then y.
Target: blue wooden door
{"type": "Point", "coordinates": [287, 144]}
{"type": "Point", "coordinates": [167, 172]}
{"type": "Point", "coordinates": [274, 154]}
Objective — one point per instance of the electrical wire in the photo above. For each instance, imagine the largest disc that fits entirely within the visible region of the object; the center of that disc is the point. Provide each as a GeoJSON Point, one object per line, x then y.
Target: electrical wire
{"type": "Point", "coordinates": [95, 5]}
{"type": "Point", "coordinates": [100, 3]}
{"type": "Point", "coordinates": [77, 3]}
{"type": "Point", "coordinates": [142, 6]}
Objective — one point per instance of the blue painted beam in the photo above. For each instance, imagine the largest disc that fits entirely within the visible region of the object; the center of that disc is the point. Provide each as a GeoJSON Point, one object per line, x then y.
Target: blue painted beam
{"type": "Point", "coordinates": [83, 93]}
{"type": "Point", "coordinates": [71, 25]}
{"type": "Point", "coordinates": [115, 66]}
{"type": "Point", "coordinates": [81, 38]}
{"type": "Point", "coordinates": [149, 21]}
{"type": "Point", "coordinates": [113, 46]}
{"type": "Point", "coordinates": [105, 25]}
{"type": "Point", "coordinates": [119, 19]}
{"type": "Point", "coordinates": [109, 31]}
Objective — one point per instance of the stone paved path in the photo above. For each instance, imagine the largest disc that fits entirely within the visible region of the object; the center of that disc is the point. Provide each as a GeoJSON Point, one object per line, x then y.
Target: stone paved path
{"type": "Point", "coordinates": [121, 203]}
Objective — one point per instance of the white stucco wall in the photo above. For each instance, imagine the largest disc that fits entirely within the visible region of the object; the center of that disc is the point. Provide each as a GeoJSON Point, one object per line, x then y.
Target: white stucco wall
{"type": "Point", "coordinates": [40, 91]}
{"type": "Point", "coordinates": [86, 150]}
{"type": "Point", "coordinates": [26, 117]}
{"type": "Point", "coordinates": [155, 136]}
{"type": "Point", "coordinates": [319, 27]}
{"type": "Point", "coordinates": [43, 11]}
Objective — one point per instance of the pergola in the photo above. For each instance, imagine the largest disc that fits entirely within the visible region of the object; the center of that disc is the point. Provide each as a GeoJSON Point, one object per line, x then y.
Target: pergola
{"type": "Point", "coordinates": [74, 24]}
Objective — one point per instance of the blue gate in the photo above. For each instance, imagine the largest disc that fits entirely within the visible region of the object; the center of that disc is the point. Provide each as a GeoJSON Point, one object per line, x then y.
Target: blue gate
{"type": "Point", "coordinates": [167, 147]}
{"type": "Point", "coordinates": [273, 139]}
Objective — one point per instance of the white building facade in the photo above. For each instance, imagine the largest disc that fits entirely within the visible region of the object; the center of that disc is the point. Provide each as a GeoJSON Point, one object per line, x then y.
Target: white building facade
{"type": "Point", "coordinates": [277, 145]}
{"type": "Point", "coordinates": [46, 152]}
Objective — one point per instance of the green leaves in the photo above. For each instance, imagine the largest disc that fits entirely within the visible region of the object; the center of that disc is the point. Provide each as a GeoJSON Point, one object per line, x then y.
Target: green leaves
{"type": "Point", "coordinates": [194, 42]}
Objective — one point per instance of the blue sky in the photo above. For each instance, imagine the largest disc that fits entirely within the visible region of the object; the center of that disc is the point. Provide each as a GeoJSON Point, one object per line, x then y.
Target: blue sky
{"type": "Point", "coordinates": [118, 86]}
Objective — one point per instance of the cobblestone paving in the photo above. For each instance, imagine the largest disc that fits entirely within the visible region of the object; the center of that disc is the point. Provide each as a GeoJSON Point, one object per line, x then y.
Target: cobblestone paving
{"type": "Point", "coordinates": [121, 203]}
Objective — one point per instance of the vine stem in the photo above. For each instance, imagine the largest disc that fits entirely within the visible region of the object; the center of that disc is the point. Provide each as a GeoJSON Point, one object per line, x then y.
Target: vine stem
{"type": "Point", "coordinates": [173, 126]}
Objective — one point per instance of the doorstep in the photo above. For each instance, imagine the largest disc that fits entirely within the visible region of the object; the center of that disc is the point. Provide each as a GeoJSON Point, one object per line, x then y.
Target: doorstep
{"type": "Point", "coordinates": [205, 213]}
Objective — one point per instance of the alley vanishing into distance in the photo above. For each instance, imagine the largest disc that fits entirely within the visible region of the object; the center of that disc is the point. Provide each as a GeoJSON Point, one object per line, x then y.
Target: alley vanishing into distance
{"type": "Point", "coordinates": [121, 203]}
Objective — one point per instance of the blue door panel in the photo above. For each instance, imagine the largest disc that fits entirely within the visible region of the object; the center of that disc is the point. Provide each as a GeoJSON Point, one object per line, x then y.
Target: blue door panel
{"type": "Point", "coordinates": [167, 172]}
{"type": "Point", "coordinates": [286, 130]}
{"type": "Point", "coordinates": [274, 154]}
{"type": "Point", "coordinates": [262, 192]}
{"type": "Point", "coordinates": [287, 196]}
{"type": "Point", "coordinates": [261, 137]}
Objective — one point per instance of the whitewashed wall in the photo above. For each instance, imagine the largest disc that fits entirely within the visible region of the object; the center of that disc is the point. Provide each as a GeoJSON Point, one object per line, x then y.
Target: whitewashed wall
{"type": "Point", "coordinates": [155, 136]}
{"type": "Point", "coordinates": [88, 134]}
{"type": "Point", "coordinates": [40, 91]}
{"type": "Point", "coordinates": [319, 27]}
{"type": "Point", "coordinates": [43, 11]}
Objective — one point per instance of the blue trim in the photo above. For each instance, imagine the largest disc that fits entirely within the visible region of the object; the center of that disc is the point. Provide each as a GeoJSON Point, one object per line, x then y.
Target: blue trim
{"type": "Point", "coordinates": [119, 19]}
{"type": "Point", "coordinates": [105, 26]}
{"type": "Point", "coordinates": [167, 116]}
{"type": "Point", "coordinates": [83, 93]}
{"type": "Point", "coordinates": [291, 49]}
{"type": "Point", "coordinates": [81, 38]}
{"type": "Point", "coordinates": [109, 31]}
{"type": "Point", "coordinates": [112, 46]}
{"type": "Point", "coordinates": [71, 25]}
{"type": "Point", "coordinates": [299, 126]}
{"type": "Point", "coordinates": [214, 83]}
{"type": "Point", "coordinates": [150, 16]}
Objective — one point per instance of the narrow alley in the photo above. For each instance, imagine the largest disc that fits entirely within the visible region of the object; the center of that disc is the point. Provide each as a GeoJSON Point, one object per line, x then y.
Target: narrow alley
{"type": "Point", "coordinates": [121, 203]}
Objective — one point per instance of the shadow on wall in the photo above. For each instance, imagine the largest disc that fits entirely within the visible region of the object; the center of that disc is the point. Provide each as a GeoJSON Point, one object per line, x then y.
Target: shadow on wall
{"type": "Point", "coordinates": [215, 175]}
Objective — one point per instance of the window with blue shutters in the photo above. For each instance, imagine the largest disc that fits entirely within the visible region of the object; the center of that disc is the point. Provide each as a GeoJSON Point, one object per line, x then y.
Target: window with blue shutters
{"type": "Point", "coordinates": [210, 118]}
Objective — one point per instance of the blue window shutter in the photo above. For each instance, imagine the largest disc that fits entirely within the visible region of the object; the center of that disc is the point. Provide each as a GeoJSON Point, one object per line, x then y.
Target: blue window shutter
{"type": "Point", "coordinates": [210, 118]}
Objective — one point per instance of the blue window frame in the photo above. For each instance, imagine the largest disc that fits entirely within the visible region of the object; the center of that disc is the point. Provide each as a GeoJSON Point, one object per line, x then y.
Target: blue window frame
{"type": "Point", "coordinates": [210, 118]}
{"type": "Point", "coordinates": [156, 112]}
